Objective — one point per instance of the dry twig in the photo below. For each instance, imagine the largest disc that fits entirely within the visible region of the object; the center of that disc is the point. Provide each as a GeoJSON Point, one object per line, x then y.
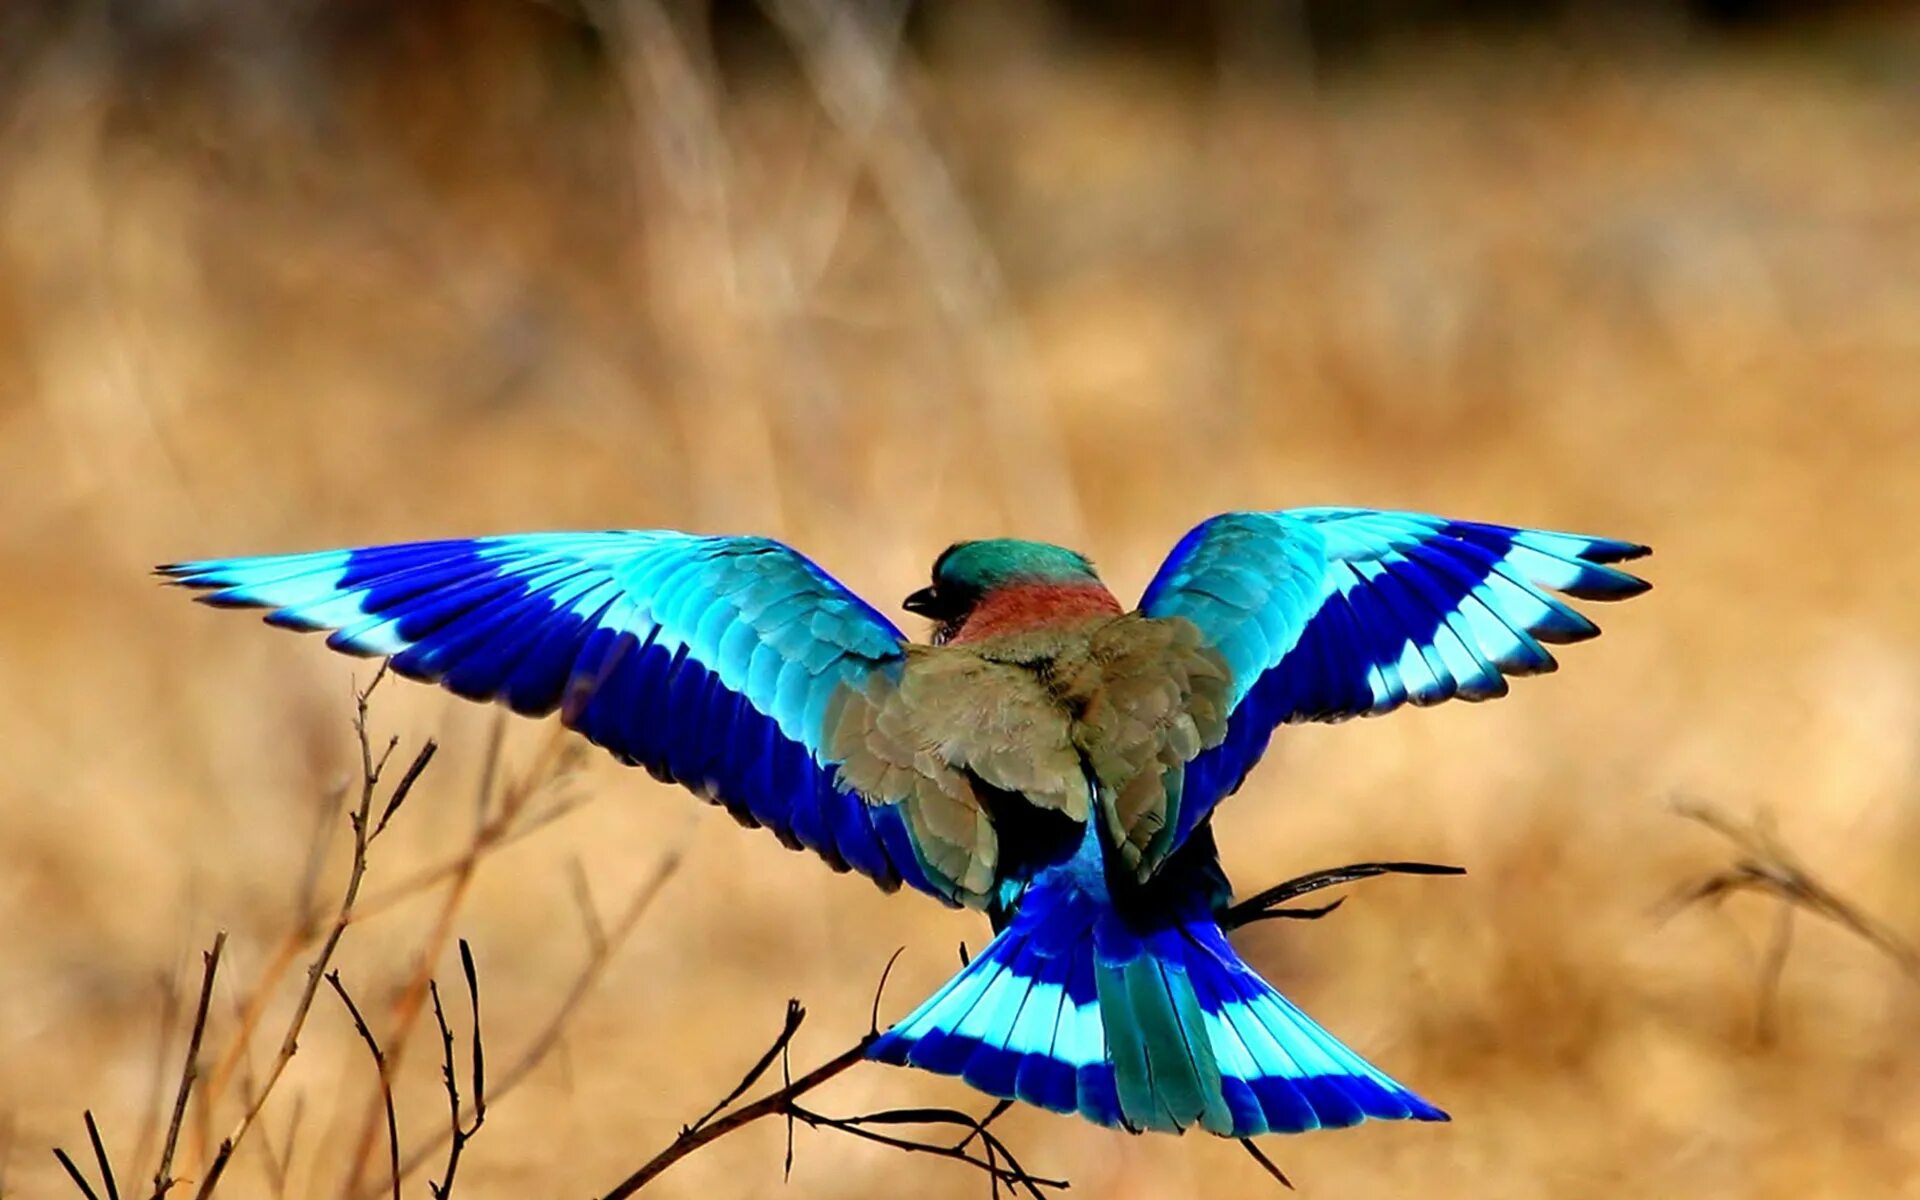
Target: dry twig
{"type": "Point", "coordinates": [459, 1135]}
{"type": "Point", "coordinates": [548, 1037]}
{"type": "Point", "coordinates": [190, 1071]}
{"type": "Point", "coordinates": [497, 812]}
{"type": "Point", "coordinates": [358, 819]}
{"type": "Point", "coordinates": [99, 1156]}
{"type": "Point", "coordinates": [380, 1067]}
{"type": "Point", "coordinates": [995, 1159]}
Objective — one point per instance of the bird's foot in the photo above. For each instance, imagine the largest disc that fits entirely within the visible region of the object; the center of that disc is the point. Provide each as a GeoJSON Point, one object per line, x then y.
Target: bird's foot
{"type": "Point", "coordinates": [1265, 906]}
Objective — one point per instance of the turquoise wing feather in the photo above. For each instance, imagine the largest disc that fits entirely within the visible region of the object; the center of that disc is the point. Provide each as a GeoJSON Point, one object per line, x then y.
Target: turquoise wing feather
{"type": "Point", "coordinates": [713, 662]}
{"type": "Point", "coordinates": [1328, 613]}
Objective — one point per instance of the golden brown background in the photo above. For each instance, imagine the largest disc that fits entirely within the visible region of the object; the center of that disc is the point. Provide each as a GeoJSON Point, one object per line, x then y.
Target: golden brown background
{"type": "Point", "coordinates": [282, 277]}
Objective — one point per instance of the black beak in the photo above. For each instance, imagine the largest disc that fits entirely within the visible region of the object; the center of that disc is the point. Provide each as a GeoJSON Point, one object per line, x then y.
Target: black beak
{"type": "Point", "coordinates": [925, 602]}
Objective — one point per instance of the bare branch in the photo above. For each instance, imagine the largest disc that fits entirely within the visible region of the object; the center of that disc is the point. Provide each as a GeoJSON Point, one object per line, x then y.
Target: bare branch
{"type": "Point", "coordinates": [995, 1160]}
{"type": "Point", "coordinates": [380, 1066]}
{"type": "Point", "coordinates": [73, 1173]}
{"type": "Point", "coordinates": [190, 1070]}
{"type": "Point", "coordinates": [99, 1156]}
{"type": "Point", "coordinates": [1012, 1174]}
{"type": "Point", "coordinates": [549, 1035]}
{"type": "Point", "coordinates": [458, 1134]}
{"type": "Point", "coordinates": [692, 1139]}
{"type": "Point", "coordinates": [795, 1015]}
{"type": "Point", "coordinates": [358, 819]}
{"type": "Point", "coordinates": [498, 809]}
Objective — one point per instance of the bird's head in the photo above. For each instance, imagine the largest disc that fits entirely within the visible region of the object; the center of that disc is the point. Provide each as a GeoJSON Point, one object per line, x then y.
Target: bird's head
{"type": "Point", "coordinates": [968, 575]}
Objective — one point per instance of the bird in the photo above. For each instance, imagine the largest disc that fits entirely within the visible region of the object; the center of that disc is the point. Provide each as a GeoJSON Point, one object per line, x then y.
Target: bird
{"type": "Point", "coordinates": [1046, 756]}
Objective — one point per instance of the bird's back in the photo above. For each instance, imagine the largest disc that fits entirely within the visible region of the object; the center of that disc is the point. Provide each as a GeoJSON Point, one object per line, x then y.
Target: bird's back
{"type": "Point", "coordinates": [981, 736]}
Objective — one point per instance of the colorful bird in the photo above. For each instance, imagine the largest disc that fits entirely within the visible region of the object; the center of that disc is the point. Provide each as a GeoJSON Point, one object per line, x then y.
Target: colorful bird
{"type": "Point", "coordinates": [1050, 758]}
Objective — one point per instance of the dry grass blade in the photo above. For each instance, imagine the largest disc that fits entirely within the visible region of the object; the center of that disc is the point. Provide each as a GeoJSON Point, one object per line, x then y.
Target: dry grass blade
{"type": "Point", "coordinates": [845, 53]}
{"type": "Point", "coordinates": [1765, 865]}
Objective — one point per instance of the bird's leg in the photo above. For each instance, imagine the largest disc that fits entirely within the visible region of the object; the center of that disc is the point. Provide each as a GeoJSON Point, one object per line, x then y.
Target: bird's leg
{"type": "Point", "coordinates": [1265, 905]}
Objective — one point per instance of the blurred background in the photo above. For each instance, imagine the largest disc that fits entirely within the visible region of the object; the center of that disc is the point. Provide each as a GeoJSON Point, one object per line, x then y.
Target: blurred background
{"type": "Point", "coordinates": [874, 278]}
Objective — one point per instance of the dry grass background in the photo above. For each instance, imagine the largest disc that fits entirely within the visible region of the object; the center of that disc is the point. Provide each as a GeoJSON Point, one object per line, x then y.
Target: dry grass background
{"type": "Point", "coordinates": [323, 275]}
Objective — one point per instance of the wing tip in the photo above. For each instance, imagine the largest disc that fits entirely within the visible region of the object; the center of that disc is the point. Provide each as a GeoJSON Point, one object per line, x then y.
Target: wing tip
{"type": "Point", "coordinates": [1612, 585]}
{"type": "Point", "coordinates": [1613, 550]}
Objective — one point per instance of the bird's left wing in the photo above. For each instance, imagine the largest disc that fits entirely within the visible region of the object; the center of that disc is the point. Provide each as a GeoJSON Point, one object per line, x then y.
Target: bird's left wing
{"type": "Point", "coordinates": [1327, 613]}
{"type": "Point", "coordinates": [715, 662]}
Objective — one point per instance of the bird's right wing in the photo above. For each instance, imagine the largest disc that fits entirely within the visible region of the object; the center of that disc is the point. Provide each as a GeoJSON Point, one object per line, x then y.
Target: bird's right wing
{"type": "Point", "coordinates": [721, 663]}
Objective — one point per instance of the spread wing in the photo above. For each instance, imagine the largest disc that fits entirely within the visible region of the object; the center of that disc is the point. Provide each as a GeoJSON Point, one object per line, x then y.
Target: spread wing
{"type": "Point", "coordinates": [1327, 613]}
{"type": "Point", "coordinates": [716, 662]}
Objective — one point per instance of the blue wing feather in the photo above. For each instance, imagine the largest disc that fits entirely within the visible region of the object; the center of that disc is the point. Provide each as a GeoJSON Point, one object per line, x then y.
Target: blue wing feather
{"type": "Point", "coordinates": [1327, 613]}
{"type": "Point", "coordinates": [710, 661]}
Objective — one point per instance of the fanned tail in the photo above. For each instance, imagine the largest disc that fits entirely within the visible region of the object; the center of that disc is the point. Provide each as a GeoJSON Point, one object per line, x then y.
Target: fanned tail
{"type": "Point", "coordinates": [1072, 1009]}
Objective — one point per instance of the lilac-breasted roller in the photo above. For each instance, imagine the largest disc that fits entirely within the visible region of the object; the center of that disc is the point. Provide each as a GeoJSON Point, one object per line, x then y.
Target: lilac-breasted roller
{"type": "Point", "coordinates": [1050, 758]}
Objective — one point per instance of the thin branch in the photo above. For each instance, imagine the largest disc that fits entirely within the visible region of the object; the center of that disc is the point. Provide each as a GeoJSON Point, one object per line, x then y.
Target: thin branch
{"type": "Point", "coordinates": [100, 1156]}
{"type": "Point", "coordinates": [1012, 1174]}
{"type": "Point", "coordinates": [583, 984]}
{"type": "Point", "coordinates": [380, 1066]}
{"type": "Point", "coordinates": [795, 1015]}
{"type": "Point", "coordinates": [190, 1070]}
{"type": "Point", "coordinates": [459, 1135]}
{"type": "Point", "coordinates": [996, 1160]}
{"type": "Point", "coordinates": [778, 1102]}
{"type": "Point", "coordinates": [414, 993]}
{"type": "Point", "coordinates": [73, 1173]}
{"type": "Point", "coordinates": [880, 990]}
{"type": "Point", "coordinates": [316, 970]}
{"type": "Point", "coordinates": [1264, 906]}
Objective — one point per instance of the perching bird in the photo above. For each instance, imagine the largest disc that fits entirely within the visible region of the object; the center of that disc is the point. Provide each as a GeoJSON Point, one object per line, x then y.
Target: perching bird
{"type": "Point", "coordinates": [1050, 758]}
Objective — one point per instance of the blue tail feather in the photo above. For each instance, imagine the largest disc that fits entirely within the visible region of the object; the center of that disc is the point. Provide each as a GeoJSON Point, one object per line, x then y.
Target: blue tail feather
{"type": "Point", "coordinates": [1072, 1009]}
